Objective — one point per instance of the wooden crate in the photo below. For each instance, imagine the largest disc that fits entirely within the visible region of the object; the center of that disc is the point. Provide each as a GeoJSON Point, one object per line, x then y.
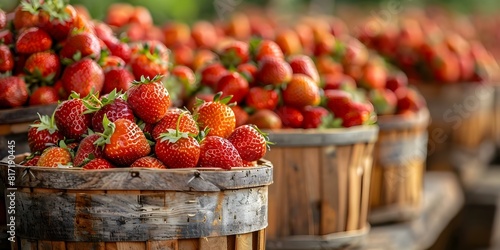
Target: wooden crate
{"type": "Point", "coordinates": [130, 208]}
{"type": "Point", "coordinates": [319, 199]}
{"type": "Point", "coordinates": [399, 164]}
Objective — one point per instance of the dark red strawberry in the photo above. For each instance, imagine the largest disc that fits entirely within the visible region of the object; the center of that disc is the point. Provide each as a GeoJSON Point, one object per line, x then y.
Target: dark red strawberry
{"type": "Point", "coordinates": [148, 162]}
{"type": "Point", "coordinates": [71, 119]}
{"type": "Point", "coordinates": [6, 59]}
{"type": "Point", "coordinates": [218, 152]}
{"type": "Point", "coordinates": [33, 40]}
{"type": "Point", "coordinates": [118, 78]}
{"type": "Point", "coordinates": [290, 117]}
{"type": "Point", "coordinates": [57, 19]}
{"type": "Point", "coordinates": [261, 98]}
{"type": "Point", "coordinates": [87, 150]}
{"type": "Point", "coordinates": [177, 150]}
{"type": "Point", "coordinates": [6, 37]}
{"type": "Point", "coordinates": [149, 99]}
{"type": "Point", "coordinates": [98, 163]}
{"type": "Point", "coordinates": [114, 107]}
{"type": "Point", "coordinates": [302, 64]}
{"type": "Point", "coordinates": [211, 74]}
{"type": "Point", "coordinates": [313, 116]}
{"type": "Point", "coordinates": [119, 49]}
{"type": "Point", "coordinates": [80, 46]}
{"type": "Point", "coordinates": [13, 92]}
{"type": "Point", "coordinates": [233, 84]}
{"type": "Point", "coordinates": [357, 114]}
{"type": "Point", "coordinates": [176, 118]}
{"type": "Point", "coordinates": [250, 142]}
{"type": "Point", "coordinates": [44, 95]}
{"type": "Point", "coordinates": [43, 133]}
{"type": "Point", "coordinates": [43, 66]}
{"type": "Point", "coordinates": [408, 100]}
{"type": "Point", "coordinates": [83, 77]}
{"type": "Point", "coordinates": [31, 160]}
{"type": "Point", "coordinates": [265, 119]}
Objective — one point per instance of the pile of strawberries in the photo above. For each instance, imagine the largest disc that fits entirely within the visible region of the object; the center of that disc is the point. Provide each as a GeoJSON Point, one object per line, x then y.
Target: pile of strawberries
{"type": "Point", "coordinates": [138, 129]}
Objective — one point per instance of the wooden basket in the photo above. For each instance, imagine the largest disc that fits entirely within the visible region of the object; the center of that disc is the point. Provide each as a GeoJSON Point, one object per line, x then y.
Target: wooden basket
{"type": "Point", "coordinates": [319, 199]}
{"type": "Point", "coordinates": [496, 116]}
{"type": "Point", "coordinates": [399, 164]}
{"type": "Point", "coordinates": [131, 208]}
{"type": "Point", "coordinates": [14, 125]}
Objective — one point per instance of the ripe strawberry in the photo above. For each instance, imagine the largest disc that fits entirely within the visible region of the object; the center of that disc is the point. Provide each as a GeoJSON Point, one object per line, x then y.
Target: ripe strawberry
{"type": "Point", "coordinates": [274, 71]}
{"type": "Point", "coordinates": [114, 107]}
{"type": "Point", "coordinates": [176, 119]}
{"type": "Point", "coordinates": [108, 62]}
{"type": "Point", "coordinates": [383, 100]}
{"type": "Point", "coordinates": [250, 142]}
{"type": "Point", "coordinates": [118, 78]}
{"type": "Point", "coordinates": [43, 133]}
{"type": "Point", "coordinates": [290, 117]}
{"type": "Point", "coordinates": [302, 64]}
{"type": "Point", "coordinates": [177, 149]}
{"type": "Point", "coordinates": [119, 14]}
{"type": "Point", "coordinates": [87, 150]}
{"type": "Point", "coordinates": [6, 37]}
{"type": "Point", "coordinates": [44, 95]}
{"type": "Point", "coordinates": [327, 65]}
{"type": "Point", "coordinates": [338, 101]}
{"type": "Point", "coordinates": [141, 16]}
{"type": "Point", "coordinates": [218, 152]}
{"type": "Point", "coordinates": [191, 105]}
{"type": "Point", "coordinates": [338, 81]}
{"type": "Point", "coordinates": [211, 74]}
{"type": "Point", "coordinates": [31, 160]}
{"type": "Point", "coordinates": [54, 156]}
{"type": "Point", "coordinates": [26, 15]}
{"type": "Point", "coordinates": [265, 119]}
{"type": "Point", "coordinates": [396, 81]}
{"type": "Point", "coordinates": [185, 79]}
{"type": "Point", "coordinates": [33, 40]}
{"type": "Point", "coordinates": [301, 91]}
{"type": "Point", "coordinates": [324, 44]}
{"type": "Point", "coordinates": [123, 142]}
{"type": "Point", "coordinates": [216, 116]}
{"type": "Point", "coordinates": [43, 66]}
{"type": "Point", "coordinates": [261, 98]}
{"type": "Point", "coordinates": [150, 62]}
{"type": "Point", "coordinates": [98, 163]}
{"type": "Point", "coordinates": [268, 48]}
{"type": "Point", "coordinates": [313, 116]}
{"type": "Point", "coordinates": [233, 84]}
{"type": "Point", "coordinates": [81, 45]}
{"type": "Point", "coordinates": [83, 77]}
{"type": "Point", "coordinates": [58, 86]}
{"type": "Point", "coordinates": [204, 34]}
{"type": "Point", "coordinates": [357, 114]}
{"type": "Point", "coordinates": [238, 27]}
{"type": "Point", "coordinates": [203, 58]}
{"type": "Point", "coordinates": [119, 49]}
{"type": "Point", "coordinates": [289, 42]}
{"type": "Point", "coordinates": [234, 53]}
{"type": "Point", "coordinates": [240, 115]}
{"type": "Point", "coordinates": [374, 76]}
{"type": "Point", "coordinates": [148, 162]}
{"type": "Point", "coordinates": [183, 54]}
{"type": "Point", "coordinates": [354, 53]}
{"type": "Point", "coordinates": [6, 59]}
{"type": "Point", "coordinates": [70, 118]}
{"type": "Point", "coordinates": [249, 71]}
{"type": "Point", "coordinates": [57, 19]}
{"type": "Point", "coordinates": [176, 33]}
{"type": "Point", "coordinates": [13, 92]}
{"type": "Point", "coordinates": [408, 100]}
{"type": "Point", "coordinates": [149, 99]}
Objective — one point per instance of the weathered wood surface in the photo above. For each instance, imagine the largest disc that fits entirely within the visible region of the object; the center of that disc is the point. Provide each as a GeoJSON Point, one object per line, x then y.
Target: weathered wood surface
{"type": "Point", "coordinates": [198, 179]}
{"type": "Point", "coordinates": [25, 114]}
{"type": "Point", "coordinates": [443, 200]}
{"type": "Point", "coordinates": [323, 137]}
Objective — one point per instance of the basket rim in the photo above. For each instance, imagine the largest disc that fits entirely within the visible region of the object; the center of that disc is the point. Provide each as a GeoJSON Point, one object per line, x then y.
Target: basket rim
{"type": "Point", "coordinates": [27, 114]}
{"type": "Point", "coordinates": [405, 121]}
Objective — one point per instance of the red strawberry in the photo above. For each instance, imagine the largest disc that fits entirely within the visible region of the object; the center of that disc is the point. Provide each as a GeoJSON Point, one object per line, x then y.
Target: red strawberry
{"type": "Point", "coordinates": [184, 78]}
{"type": "Point", "coordinates": [141, 16]}
{"type": "Point", "coordinates": [177, 149]}
{"type": "Point", "coordinates": [218, 152]}
{"type": "Point", "coordinates": [176, 118]}
{"type": "Point", "coordinates": [26, 15]}
{"type": "Point", "coordinates": [44, 95]}
{"type": "Point", "coordinates": [148, 162]}
{"type": "Point", "coordinates": [268, 49]}
{"type": "Point", "coordinates": [58, 20]}
{"type": "Point", "coordinates": [191, 105]}
{"type": "Point", "coordinates": [233, 84]}
{"type": "Point", "coordinates": [43, 66]}
{"type": "Point", "coordinates": [87, 150]}
{"type": "Point", "coordinates": [374, 76]}
{"type": "Point", "coordinates": [265, 119]}
{"type": "Point", "coordinates": [338, 81]}
{"type": "Point", "coordinates": [204, 34]}
{"type": "Point", "coordinates": [216, 116]}
{"type": "Point", "coordinates": [313, 116]}
{"type": "Point", "coordinates": [123, 142]}
{"type": "Point", "coordinates": [119, 14]}
{"type": "Point", "coordinates": [6, 37]}
{"type": "Point", "coordinates": [33, 40]}
{"type": "Point", "coordinates": [240, 115]}
{"type": "Point", "coordinates": [81, 45]}
{"type": "Point", "coordinates": [384, 101]}
{"type": "Point", "coordinates": [408, 100]}
{"type": "Point", "coordinates": [43, 133]}
{"type": "Point", "coordinates": [176, 33]}
{"type": "Point", "coordinates": [98, 163]}
{"type": "Point", "coordinates": [54, 156]}
{"type": "Point", "coordinates": [302, 64]}
{"type": "Point", "coordinates": [108, 63]}
{"type": "Point", "coordinates": [290, 117]}
{"type": "Point", "coordinates": [150, 62]}
{"type": "Point", "coordinates": [149, 99]}
{"type": "Point", "coordinates": [3, 19]}
{"type": "Point", "coordinates": [211, 74]}
{"type": "Point", "coordinates": [58, 86]}
{"type": "Point", "coordinates": [6, 59]}
{"type": "Point", "coordinates": [261, 98]}
{"type": "Point", "coordinates": [234, 53]}
{"type": "Point", "coordinates": [183, 54]}
{"type": "Point", "coordinates": [202, 58]}
{"type": "Point", "coordinates": [31, 160]}
{"type": "Point", "coordinates": [13, 92]}
{"type": "Point", "coordinates": [249, 71]}
{"type": "Point", "coordinates": [357, 114]}
{"type": "Point", "coordinates": [250, 142]}
{"type": "Point", "coordinates": [71, 120]}
{"type": "Point", "coordinates": [114, 107]}
{"type": "Point", "coordinates": [301, 91]}
{"type": "Point", "coordinates": [119, 49]}
{"type": "Point", "coordinates": [338, 101]}
{"type": "Point", "coordinates": [396, 81]}
{"type": "Point", "coordinates": [83, 77]}
{"type": "Point", "coordinates": [289, 42]}
{"type": "Point", "coordinates": [274, 71]}
{"type": "Point", "coordinates": [118, 78]}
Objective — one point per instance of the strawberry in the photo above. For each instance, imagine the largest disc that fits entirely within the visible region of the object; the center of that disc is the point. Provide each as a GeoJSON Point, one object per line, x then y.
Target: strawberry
{"type": "Point", "coordinates": [13, 92]}
{"type": "Point", "coordinates": [33, 40]}
{"type": "Point", "coordinates": [6, 59]}
{"type": "Point", "coordinates": [216, 116]}
{"type": "Point", "coordinates": [148, 162]}
{"type": "Point", "coordinates": [325, 44]}
{"type": "Point", "coordinates": [265, 119]}
{"type": "Point", "coordinates": [408, 100]}
{"type": "Point", "coordinates": [191, 105]}
{"type": "Point", "coordinates": [26, 15]}
{"type": "Point", "coordinates": [121, 50]}
{"type": "Point", "coordinates": [218, 152]}
{"type": "Point", "coordinates": [108, 62]}
{"type": "Point", "coordinates": [234, 53]}
{"type": "Point", "coordinates": [268, 48]}
{"type": "Point", "coordinates": [261, 98]}
{"type": "Point", "coordinates": [290, 117]}
{"type": "Point", "coordinates": [141, 16]}
{"type": "Point", "coordinates": [357, 114]}
{"type": "Point", "coordinates": [43, 133]}
{"type": "Point", "coordinates": [374, 76]}
{"type": "Point", "coordinates": [186, 79]}
{"type": "Point", "coordinates": [71, 119]}
{"type": "Point", "coordinates": [354, 53]}
{"type": "Point", "coordinates": [44, 95]}
{"type": "Point", "coordinates": [6, 37]}
{"type": "Point", "coordinates": [31, 160]}
{"type": "Point", "coordinates": [149, 99]}
{"type": "Point", "coordinates": [54, 156]}
{"type": "Point", "coordinates": [58, 86]}
{"type": "Point", "coordinates": [113, 106]}
{"type": "Point", "coordinates": [87, 150]}
{"type": "Point", "coordinates": [204, 34]}
{"type": "Point", "coordinates": [211, 74]}
{"type": "Point", "coordinates": [313, 116]}
{"type": "Point", "coordinates": [338, 101]}
{"type": "Point", "coordinates": [183, 54]}
{"type": "Point", "coordinates": [176, 33]}
{"type": "Point", "coordinates": [250, 142]}
{"type": "Point", "coordinates": [103, 31]}
{"type": "Point", "coordinates": [289, 42]}
{"type": "Point", "coordinates": [119, 14]}
{"type": "Point", "coordinates": [57, 18]}
{"type": "Point", "coordinates": [240, 115]}
{"type": "Point", "coordinates": [202, 58]}
{"type": "Point", "coordinates": [238, 26]}
{"type": "Point", "coordinates": [384, 101]}
{"type": "Point", "coordinates": [83, 77]}
{"type": "Point", "coordinates": [302, 64]}
{"type": "Point", "coordinates": [177, 149]}
{"type": "Point", "coordinates": [123, 142]}
{"type": "Point", "coordinates": [117, 78]}
{"type": "Point", "coordinates": [176, 119]}
{"type": "Point", "coordinates": [249, 71]}
{"type": "Point", "coordinates": [150, 62]}
{"type": "Point", "coordinates": [274, 71]}
{"type": "Point", "coordinates": [81, 45]}
{"type": "Point", "coordinates": [396, 81]}
{"type": "Point", "coordinates": [43, 66]}
{"type": "Point", "coordinates": [301, 91]}
{"type": "Point", "coordinates": [338, 81]}
{"type": "Point", "coordinates": [233, 84]}
{"type": "Point", "coordinates": [98, 163]}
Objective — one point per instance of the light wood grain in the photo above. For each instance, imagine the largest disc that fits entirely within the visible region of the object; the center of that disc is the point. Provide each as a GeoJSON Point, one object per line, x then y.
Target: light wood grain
{"type": "Point", "coordinates": [162, 245]}
{"type": "Point", "coordinates": [329, 190]}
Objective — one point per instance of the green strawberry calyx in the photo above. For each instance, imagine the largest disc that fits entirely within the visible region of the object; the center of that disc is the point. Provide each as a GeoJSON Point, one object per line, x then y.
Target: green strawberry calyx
{"type": "Point", "coordinates": [46, 123]}
{"type": "Point", "coordinates": [147, 80]}
{"type": "Point", "coordinates": [32, 6]}
{"type": "Point", "coordinates": [56, 10]}
{"type": "Point", "coordinates": [263, 134]}
{"type": "Point", "coordinates": [94, 103]}
{"type": "Point", "coordinates": [174, 135]}
{"type": "Point", "coordinates": [109, 129]}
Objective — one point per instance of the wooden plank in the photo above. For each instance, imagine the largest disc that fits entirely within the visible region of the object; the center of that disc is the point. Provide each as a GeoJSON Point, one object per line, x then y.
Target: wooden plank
{"type": "Point", "coordinates": [20, 127]}
{"type": "Point", "coordinates": [323, 137]}
{"type": "Point", "coordinates": [189, 244]}
{"type": "Point", "coordinates": [44, 245]}
{"type": "Point", "coordinates": [244, 241]}
{"type": "Point", "coordinates": [58, 245]}
{"type": "Point", "coordinates": [213, 243]}
{"type": "Point", "coordinates": [163, 245]}
{"type": "Point", "coordinates": [231, 242]}
{"type": "Point", "coordinates": [85, 245]}
{"type": "Point", "coordinates": [365, 192]}
{"type": "Point", "coordinates": [311, 161]}
{"type": "Point", "coordinates": [29, 244]}
{"type": "Point", "coordinates": [25, 114]}
{"type": "Point", "coordinates": [259, 242]}
{"type": "Point", "coordinates": [277, 197]}
{"type": "Point", "coordinates": [343, 154]}
{"type": "Point", "coordinates": [354, 192]}
{"type": "Point", "coordinates": [330, 191]}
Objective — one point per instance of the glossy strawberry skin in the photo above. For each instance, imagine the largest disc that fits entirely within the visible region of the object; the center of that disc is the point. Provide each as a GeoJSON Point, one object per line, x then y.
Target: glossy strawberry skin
{"type": "Point", "coordinates": [338, 101]}
{"type": "Point", "coordinates": [118, 109]}
{"type": "Point", "coordinates": [218, 152]}
{"type": "Point", "coordinates": [232, 83]}
{"type": "Point", "coordinates": [71, 120]}
{"type": "Point", "coordinates": [260, 98]}
{"type": "Point", "coordinates": [274, 71]}
{"type": "Point", "coordinates": [43, 64]}
{"type": "Point", "coordinates": [6, 59]}
{"type": "Point", "coordinates": [87, 148]}
{"type": "Point", "coordinates": [240, 115]}
{"type": "Point", "coordinates": [82, 77]}
{"type": "Point", "coordinates": [118, 78]}
{"type": "Point", "coordinates": [13, 92]}
{"type": "Point", "coordinates": [218, 117]}
{"type": "Point", "coordinates": [301, 91]}
{"type": "Point", "coordinates": [40, 140]}
{"type": "Point", "coordinates": [31, 162]}
{"type": "Point", "coordinates": [44, 95]}
{"type": "Point", "coordinates": [84, 43]}
{"type": "Point", "coordinates": [53, 156]}
{"type": "Point", "coordinates": [235, 53]}
{"type": "Point", "coordinates": [33, 40]}
{"type": "Point", "coordinates": [313, 116]}
{"type": "Point", "coordinates": [120, 49]}
{"type": "Point", "coordinates": [251, 145]}
{"type": "Point", "coordinates": [143, 66]}
{"type": "Point", "coordinates": [186, 124]}
{"type": "Point", "coordinates": [184, 153]}
{"type": "Point", "coordinates": [127, 144]}
{"type": "Point", "coordinates": [58, 28]}
{"type": "Point", "coordinates": [148, 162]}
{"type": "Point", "coordinates": [269, 49]}
{"type": "Point", "coordinates": [149, 101]}
{"type": "Point", "coordinates": [98, 163]}
{"type": "Point", "coordinates": [211, 74]}
{"type": "Point", "coordinates": [290, 117]}
{"type": "Point", "coordinates": [24, 19]}
{"type": "Point", "coordinates": [302, 64]}
{"type": "Point", "coordinates": [249, 71]}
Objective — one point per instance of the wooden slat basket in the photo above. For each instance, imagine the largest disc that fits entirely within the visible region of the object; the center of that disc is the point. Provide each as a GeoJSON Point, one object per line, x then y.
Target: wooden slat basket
{"type": "Point", "coordinates": [398, 169]}
{"type": "Point", "coordinates": [319, 199]}
{"type": "Point", "coordinates": [496, 116]}
{"type": "Point", "coordinates": [139, 209]}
